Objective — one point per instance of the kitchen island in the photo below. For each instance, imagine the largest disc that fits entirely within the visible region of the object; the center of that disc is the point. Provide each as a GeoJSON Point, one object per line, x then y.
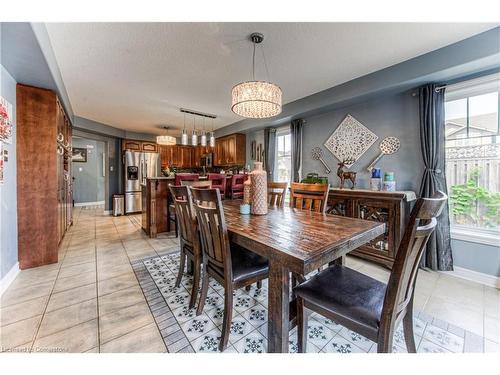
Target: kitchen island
{"type": "Point", "coordinates": [155, 205]}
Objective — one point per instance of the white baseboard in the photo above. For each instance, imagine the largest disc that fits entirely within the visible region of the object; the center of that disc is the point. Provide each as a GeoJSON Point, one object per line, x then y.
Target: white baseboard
{"type": "Point", "coordinates": [9, 278]}
{"type": "Point", "coordinates": [83, 204]}
{"type": "Point", "coordinates": [478, 277]}
{"type": "Point", "coordinates": [107, 212]}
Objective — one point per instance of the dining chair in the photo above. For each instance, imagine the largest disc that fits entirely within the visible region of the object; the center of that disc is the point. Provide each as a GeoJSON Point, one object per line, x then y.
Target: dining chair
{"type": "Point", "coordinates": [276, 193]}
{"type": "Point", "coordinates": [189, 238]}
{"type": "Point", "coordinates": [186, 177]}
{"type": "Point", "coordinates": [310, 197]}
{"type": "Point", "coordinates": [179, 177]}
{"type": "Point", "coordinates": [237, 184]}
{"type": "Point", "coordinates": [365, 305]}
{"type": "Point", "coordinates": [232, 266]}
{"type": "Point", "coordinates": [198, 184]}
{"type": "Point", "coordinates": [218, 182]}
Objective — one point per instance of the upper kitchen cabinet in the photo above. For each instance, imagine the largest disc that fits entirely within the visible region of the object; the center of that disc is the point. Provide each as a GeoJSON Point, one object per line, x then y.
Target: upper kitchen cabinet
{"type": "Point", "coordinates": [198, 152]}
{"type": "Point", "coordinates": [230, 150]}
{"type": "Point", "coordinates": [140, 146]}
{"type": "Point", "coordinates": [149, 146]}
{"type": "Point", "coordinates": [177, 156]}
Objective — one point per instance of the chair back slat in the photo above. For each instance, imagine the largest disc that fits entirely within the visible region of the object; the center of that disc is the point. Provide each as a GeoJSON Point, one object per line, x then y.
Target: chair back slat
{"type": "Point", "coordinates": [210, 213]}
{"type": "Point", "coordinates": [309, 196]}
{"type": "Point", "coordinates": [276, 192]}
{"type": "Point", "coordinates": [420, 228]}
{"type": "Point", "coordinates": [185, 216]}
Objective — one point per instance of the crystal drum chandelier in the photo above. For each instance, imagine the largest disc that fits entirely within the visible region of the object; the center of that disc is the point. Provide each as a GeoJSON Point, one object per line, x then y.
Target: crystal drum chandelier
{"type": "Point", "coordinates": [256, 99]}
{"type": "Point", "coordinates": [165, 140]}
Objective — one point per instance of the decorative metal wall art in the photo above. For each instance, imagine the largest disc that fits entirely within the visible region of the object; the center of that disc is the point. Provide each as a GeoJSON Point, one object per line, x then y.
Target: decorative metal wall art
{"type": "Point", "coordinates": [317, 154]}
{"type": "Point", "coordinates": [388, 146]}
{"type": "Point", "coordinates": [350, 140]}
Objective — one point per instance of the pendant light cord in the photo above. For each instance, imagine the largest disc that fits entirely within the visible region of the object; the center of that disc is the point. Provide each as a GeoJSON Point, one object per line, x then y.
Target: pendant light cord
{"type": "Point", "coordinates": [265, 62]}
{"type": "Point", "coordinates": [253, 62]}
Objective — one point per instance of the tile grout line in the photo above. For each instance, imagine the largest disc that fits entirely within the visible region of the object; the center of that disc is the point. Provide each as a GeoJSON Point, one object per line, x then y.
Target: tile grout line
{"type": "Point", "coordinates": [35, 336]}
{"type": "Point", "coordinates": [97, 288]}
{"type": "Point", "coordinates": [138, 282]}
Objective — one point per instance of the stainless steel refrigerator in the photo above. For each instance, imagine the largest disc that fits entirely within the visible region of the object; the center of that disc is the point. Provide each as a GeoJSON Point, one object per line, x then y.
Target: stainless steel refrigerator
{"type": "Point", "coordinates": [138, 167]}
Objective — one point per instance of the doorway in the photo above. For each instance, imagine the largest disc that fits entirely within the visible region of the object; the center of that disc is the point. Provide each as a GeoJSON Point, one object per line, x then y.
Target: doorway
{"type": "Point", "coordinates": [88, 172]}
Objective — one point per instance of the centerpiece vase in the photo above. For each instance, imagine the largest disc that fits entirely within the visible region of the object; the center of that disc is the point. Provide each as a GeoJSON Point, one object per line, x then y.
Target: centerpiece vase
{"type": "Point", "coordinates": [258, 180]}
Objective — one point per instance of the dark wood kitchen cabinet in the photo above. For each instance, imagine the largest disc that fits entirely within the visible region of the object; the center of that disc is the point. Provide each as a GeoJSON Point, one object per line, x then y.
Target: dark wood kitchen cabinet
{"type": "Point", "coordinates": [177, 156]}
{"type": "Point", "coordinates": [44, 185]}
{"type": "Point", "coordinates": [198, 151]}
{"type": "Point", "coordinates": [392, 208]}
{"type": "Point", "coordinates": [230, 150]}
{"type": "Point", "coordinates": [139, 146]}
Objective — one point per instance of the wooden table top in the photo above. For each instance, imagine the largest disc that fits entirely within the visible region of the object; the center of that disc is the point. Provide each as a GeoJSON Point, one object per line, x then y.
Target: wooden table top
{"type": "Point", "coordinates": [301, 240]}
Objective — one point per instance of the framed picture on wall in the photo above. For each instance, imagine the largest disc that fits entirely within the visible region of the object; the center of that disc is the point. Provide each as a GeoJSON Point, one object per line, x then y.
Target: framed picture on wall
{"type": "Point", "coordinates": [79, 155]}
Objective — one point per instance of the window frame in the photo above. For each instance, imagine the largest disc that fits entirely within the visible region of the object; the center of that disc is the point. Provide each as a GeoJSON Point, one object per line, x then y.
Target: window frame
{"type": "Point", "coordinates": [460, 232]}
{"type": "Point", "coordinates": [281, 132]}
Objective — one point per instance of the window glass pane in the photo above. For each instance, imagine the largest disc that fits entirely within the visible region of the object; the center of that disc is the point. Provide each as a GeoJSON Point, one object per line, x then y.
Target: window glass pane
{"type": "Point", "coordinates": [483, 114]}
{"type": "Point", "coordinates": [473, 164]}
{"type": "Point", "coordinates": [283, 158]}
{"type": "Point", "coordinates": [456, 119]}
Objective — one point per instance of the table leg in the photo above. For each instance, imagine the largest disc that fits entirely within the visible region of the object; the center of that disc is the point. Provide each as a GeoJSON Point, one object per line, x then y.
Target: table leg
{"type": "Point", "coordinates": [339, 261]}
{"type": "Point", "coordinates": [278, 308]}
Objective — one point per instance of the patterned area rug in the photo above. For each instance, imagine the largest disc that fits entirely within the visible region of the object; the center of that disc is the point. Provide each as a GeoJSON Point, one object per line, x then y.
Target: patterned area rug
{"type": "Point", "coordinates": [183, 331]}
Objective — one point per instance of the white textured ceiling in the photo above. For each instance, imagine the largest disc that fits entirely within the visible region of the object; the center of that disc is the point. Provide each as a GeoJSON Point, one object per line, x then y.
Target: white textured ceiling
{"type": "Point", "coordinates": [136, 76]}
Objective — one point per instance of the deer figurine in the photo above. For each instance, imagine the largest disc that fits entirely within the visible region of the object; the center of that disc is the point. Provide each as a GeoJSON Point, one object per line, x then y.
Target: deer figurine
{"type": "Point", "coordinates": [346, 175]}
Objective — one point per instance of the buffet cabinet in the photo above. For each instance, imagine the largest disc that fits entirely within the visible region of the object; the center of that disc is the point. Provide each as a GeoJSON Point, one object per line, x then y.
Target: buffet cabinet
{"type": "Point", "coordinates": [44, 184]}
{"type": "Point", "coordinates": [392, 208]}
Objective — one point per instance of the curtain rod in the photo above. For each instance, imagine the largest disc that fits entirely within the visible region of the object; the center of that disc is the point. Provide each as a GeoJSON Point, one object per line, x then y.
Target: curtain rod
{"type": "Point", "coordinates": [436, 89]}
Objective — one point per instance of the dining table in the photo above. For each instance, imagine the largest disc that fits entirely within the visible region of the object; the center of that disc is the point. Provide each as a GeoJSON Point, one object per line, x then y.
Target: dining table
{"type": "Point", "coordinates": [294, 241]}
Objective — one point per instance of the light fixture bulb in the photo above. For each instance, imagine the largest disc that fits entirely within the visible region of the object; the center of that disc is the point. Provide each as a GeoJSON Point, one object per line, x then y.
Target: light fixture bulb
{"type": "Point", "coordinates": [212, 139]}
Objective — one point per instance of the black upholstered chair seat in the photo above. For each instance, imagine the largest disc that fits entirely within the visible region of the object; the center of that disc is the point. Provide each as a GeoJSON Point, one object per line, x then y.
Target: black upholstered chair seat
{"type": "Point", "coordinates": [247, 264]}
{"type": "Point", "coordinates": [345, 292]}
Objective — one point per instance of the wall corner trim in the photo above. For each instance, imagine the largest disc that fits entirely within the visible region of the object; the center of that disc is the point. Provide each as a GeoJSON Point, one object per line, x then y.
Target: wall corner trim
{"type": "Point", "coordinates": [478, 277]}
{"type": "Point", "coordinates": [9, 278]}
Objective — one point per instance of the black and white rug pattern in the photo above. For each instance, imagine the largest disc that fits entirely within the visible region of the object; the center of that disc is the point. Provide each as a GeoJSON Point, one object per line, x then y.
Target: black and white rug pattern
{"type": "Point", "coordinates": [183, 331]}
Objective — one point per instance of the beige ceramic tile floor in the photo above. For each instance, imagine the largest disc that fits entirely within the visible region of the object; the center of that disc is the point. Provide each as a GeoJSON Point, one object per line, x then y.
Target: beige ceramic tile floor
{"type": "Point", "coordinates": [91, 301]}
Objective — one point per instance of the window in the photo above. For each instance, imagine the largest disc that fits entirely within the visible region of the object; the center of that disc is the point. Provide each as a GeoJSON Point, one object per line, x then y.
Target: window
{"type": "Point", "coordinates": [283, 164]}
{"type": "Point", "coordinates": [473, 158]}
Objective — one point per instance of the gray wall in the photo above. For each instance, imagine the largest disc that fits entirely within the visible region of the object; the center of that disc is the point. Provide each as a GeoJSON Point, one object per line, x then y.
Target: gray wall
{"type": "Point", "coordinates": [89, 182]}
{"type": "Point", "coordinates": [8, 191]}
{"type": "Point", "coordinates": [476, 257]}
{"type": "Point", "coordinates": [113, 181]}
{"type": "Point", "coordinates": [258, 137]}
{"type": "Point", "coordinates": [395, 115]}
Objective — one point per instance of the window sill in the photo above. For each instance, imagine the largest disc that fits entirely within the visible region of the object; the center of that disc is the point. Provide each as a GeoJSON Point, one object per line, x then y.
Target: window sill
{"type": "Point", "coordinates": [482, 236]}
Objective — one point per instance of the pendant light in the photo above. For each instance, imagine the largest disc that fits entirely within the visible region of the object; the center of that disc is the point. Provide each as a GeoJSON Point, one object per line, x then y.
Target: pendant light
{"type": "Point", "coordinates": [184, 136]}
{"type": "Point", "coordinates": [203, 140]}
{"type": "Point", "coordinates": [256, 99]}
{"type": "Point", "coordinates": [212, 135]}
{"type": "Point", "coordinates": [165, 140]}
{"type": "Point", "coordinates": [194, 136]}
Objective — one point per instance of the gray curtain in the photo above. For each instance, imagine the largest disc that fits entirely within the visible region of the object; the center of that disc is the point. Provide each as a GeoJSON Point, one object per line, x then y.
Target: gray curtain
{"type": "Point", "coordinates": [438, 254]}
{"type": "Point", "coordinates": [296, 133]}
{"type": "Point", "coordinates": [270, 151]}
